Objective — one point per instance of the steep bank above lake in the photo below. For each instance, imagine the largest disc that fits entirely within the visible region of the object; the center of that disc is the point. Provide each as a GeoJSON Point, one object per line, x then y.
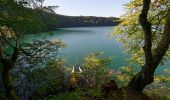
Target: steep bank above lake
{"type": "Point", "coordinates": [62, 21]}
{"type": "Point", "coordinates": [39, 20]}
{"type": "Point", "coordinates": [85, 21]}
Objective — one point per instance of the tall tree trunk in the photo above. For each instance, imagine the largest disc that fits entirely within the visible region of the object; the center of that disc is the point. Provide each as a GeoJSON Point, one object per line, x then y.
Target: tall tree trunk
{"type": "Point", "coordinates": [152, 60]}
{"type": "Point", "coordinates": [8, 65]}
{"type": "Point", "coordinates": [8, 85]}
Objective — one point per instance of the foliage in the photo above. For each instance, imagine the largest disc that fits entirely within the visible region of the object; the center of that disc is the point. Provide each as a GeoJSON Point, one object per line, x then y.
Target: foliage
{"type": "Point", "coordinates": [7, 40]}
{"type": "Point", "coordinates": [39, 51]}
{"type": "Point", "coordinates": [167, 71]}
{"type": "Point", "coordinates": [95, 69]}
{"type": "Point", "coordinates": [94, 73]}
{"type": "Point", "coordinates": [130, 33]}
{"type": "Point", "coordinates": [48, 80]}
{"type": "Point", "coordinates": [38, 63]}
{"type": "Point", "coordinates": [126, 75]}
{"type": "Point", "coordinates": [144, 31]}
{"type": "Point", "coordinates": [35, 54]}
{"type": "Point", "coordinates": [85, 21]}
{"type": "Point", "coordinates": [95, 93]}
{"type": "Point", "coordinates": [75, 95]}
{"type": "Point", "coordinates": [20, 19]}
{"type": "Point", "coordinates": [15, 55]}
{"type": "Point", "coordinates": [23, 19]}
{"type": "Point", "coordinates": [51, 20]}
{"type": "Point", "coordinates": [162, 78]}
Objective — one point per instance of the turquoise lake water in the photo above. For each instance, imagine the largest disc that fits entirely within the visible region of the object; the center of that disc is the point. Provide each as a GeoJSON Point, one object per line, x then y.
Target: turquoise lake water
{"type": "Point", "coordinates": [81, 41]}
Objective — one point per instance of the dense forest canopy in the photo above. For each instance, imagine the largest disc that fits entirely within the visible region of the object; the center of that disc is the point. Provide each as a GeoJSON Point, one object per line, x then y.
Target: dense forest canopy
{"type": "Point", "coordinates": [85, 21]}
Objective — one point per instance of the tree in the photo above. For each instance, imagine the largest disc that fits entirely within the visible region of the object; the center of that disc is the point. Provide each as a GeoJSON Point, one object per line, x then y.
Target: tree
{"type": "Point", "coordinates": [15, 20]}
{"type": "Point", "coordinates": [156, 38]}
{"type": "Point", "coordinates": [48, 80]}
{"type": "Point", "coordinates": [95, 70]}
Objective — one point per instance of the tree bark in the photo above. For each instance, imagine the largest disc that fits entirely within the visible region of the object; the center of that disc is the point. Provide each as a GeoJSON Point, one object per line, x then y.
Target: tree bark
{"type": "Point", "coordinates": [8, 64]}
{"type": "Point", "coordinates": [8, 85]}
{"type": "Point", "coordinates": [146, 75]}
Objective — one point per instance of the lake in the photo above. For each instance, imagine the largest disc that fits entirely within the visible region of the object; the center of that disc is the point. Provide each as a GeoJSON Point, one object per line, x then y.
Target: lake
{"type": "Point", "coordinates": [82, 41]}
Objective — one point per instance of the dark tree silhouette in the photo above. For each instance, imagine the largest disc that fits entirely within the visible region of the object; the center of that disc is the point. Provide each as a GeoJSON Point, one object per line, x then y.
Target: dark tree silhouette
{"type": "Point", "coordinates": [152, 57]}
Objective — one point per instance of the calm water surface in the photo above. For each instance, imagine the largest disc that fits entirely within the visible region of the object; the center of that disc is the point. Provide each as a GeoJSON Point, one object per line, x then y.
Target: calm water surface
{"type": "Point", "coordinates": [82, 41]}
{"type": "Point", "coordinates": [85, 40]}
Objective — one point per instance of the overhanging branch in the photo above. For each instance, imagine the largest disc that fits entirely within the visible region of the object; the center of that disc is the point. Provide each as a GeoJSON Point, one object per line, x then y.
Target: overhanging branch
{"type": "Point", "coordinates": [163, 45]}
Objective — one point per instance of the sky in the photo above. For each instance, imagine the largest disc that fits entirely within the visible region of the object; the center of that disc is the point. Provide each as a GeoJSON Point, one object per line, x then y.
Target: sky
{"type": "Point", "coordinates": [104, 8]}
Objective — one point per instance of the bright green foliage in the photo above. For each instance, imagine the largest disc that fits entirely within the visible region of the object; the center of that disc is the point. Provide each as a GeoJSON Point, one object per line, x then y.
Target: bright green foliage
{"type": "Point", "coordinates": [124, 77]}
{"type": "Point", "coordinates": [167, 71]}
{"type": "Point", "coordinates": [163, 78]}
{"type": "Point", "coordinates": [8, 33]}
{"type": "Point", "coordinates": [48, 80]}
{"type": "Point", "coordinates": [95, 69]}
{"type": "Point", "coordinates": [130, 33]}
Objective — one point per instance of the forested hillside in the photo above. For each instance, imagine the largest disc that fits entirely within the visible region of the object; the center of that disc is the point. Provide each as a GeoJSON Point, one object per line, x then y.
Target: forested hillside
{"type": "Point", "coordinates": [62, 21]}
{"type": "Point", "coordinates": [39, 20]}
{"type": "Point", "coordinates": [81, 21]}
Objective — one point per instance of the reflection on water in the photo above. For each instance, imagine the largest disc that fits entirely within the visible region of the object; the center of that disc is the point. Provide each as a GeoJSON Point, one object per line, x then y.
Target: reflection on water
{"type": "Point", "coordinates": [85, 40]}
{"type": "Point", "coordinates": [82, 41]}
